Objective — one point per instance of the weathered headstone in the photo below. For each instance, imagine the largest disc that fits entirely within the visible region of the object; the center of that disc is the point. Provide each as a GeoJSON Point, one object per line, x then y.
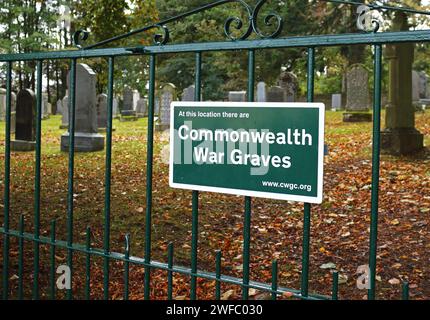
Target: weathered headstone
{"type": "Point", "coordinates": [423, 85]}
{"type": "Point", "coordinates": [275, 94]}
{"type": "Point", "coordinates": [102, 111]}
{"type": "Point", "coordinates": [136, 98]}
{"type": "Point", "coordinates": [400, 135]}
{"type": "Point", "coordinates": [188, 93]}
{"type": "Point", "coordinates": [3, 108]}
{"type": "Point", "coordinates": [59, 109]}
{"type": "Point", "coordinates": [156, 106]}
{"type": "Point", "coordinates": [142, 108]}
{"type": "Point", "coordinates": [25, 134]}
{"type": "Point", "coordinates": [167, 96]}
{"type": "Point", "coordinates": [128, 113]}
{"type": "Point", "coordinates": [289, 83]}
{"type": "Point", "coordinates": [415, 86]}
{"type": "Point", "coordinates": [86, 137]}
{"type": "Point", "coordinates": [115, 108]}
{"type": "Point", "coordinates": [261, 92]}
{"type": "Point", "coordinates": [237, 96]}
{"type": "Point", "coordinates": [336, 102]}
{"type": "Point", "coordinates": [45, 106]}
{"type": "Point", "coordinates": [65, 113]}
{"type": "Point", "coordinates": [357, 95]}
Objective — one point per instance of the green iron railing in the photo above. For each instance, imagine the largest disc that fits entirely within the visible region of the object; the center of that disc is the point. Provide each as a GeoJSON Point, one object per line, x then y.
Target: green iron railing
{"type": "Point", "coordinates": [377, 40]}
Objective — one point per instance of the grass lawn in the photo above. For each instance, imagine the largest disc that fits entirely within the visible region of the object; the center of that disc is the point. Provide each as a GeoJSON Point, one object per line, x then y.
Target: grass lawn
{"type": "Point", "coordinates": [339, 232]}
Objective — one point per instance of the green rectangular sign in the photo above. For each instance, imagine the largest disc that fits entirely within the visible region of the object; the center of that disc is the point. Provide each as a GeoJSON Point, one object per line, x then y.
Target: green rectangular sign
{"type": "Point", "coordinates": [269, 150]}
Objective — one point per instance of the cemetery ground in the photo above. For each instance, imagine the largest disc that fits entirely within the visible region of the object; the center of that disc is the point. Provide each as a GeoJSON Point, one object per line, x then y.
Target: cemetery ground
{"type": "Point", "coordinates": [339, 227]}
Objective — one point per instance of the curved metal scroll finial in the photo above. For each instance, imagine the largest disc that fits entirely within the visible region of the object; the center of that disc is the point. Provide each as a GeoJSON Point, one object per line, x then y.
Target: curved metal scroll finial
{"type": "Point", "coordinates": [267, 21]}
{"type": "Point", "coordinates": [161, 39]}
{"type": "Point", "coordinates": [366, 20]}
{"type": "Point", "coordinates": [80, 36]}
{"type": "Point", "coordinates": [238, 23]}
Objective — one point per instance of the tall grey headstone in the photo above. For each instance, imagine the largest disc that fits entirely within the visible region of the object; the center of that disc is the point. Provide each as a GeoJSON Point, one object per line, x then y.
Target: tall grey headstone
{"type": "Point", "coordinates": [289, 83]}
{"type": "Point", "coordinates": [59, 107]}
{"type": "Point", "coordinates": [188, 93]}
{"type": "Point", "coordinates": [357, 95]}
{"type": "Point", "coordinates": [261, 92]}
{"type": "Point", "coordinates": [423, 85]}
{"type": "Point", "coordinates": [86, 137]}
{"type": "Point", "coordinates": [167, 96]}
{"type": "Point", "coordinates": [102, 111]}
{"type": "Point", "coordinates": [45, 106]}
{"type": "Point", "coordinates": [275, 94]}
{"type": "Point", "coordinates": [157, 107]}
{"type": "Point", "coordinates": [336, 102]}
{"type": "Point", "coordinates": [142, 108]}
{"type": "Point", "coordinates": [128, 112]}
{"type": "Point", "coordinates": [115, 108]}
{"type": "Point", "coordinates": [237, 96]}
{"type": "Point", "coordinates": [25, 134]}
{"type": "Point", "coordinates": [415, 86]}
{"type": "Point", "coordinates": [65, 113]}
{"type": "Point", "coordinates": [136, 98]}
{"type": "Point", "coordinates": [12, 110]}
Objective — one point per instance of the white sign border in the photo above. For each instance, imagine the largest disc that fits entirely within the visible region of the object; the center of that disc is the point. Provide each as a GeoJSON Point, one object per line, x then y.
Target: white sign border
{"type": "Point", "coordinates": [259, 194]}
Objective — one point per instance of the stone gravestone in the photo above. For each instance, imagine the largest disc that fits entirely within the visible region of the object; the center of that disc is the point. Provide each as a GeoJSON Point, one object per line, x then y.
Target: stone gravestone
{"type": "Point", "coordinates": [167, 96]}
{"type": "Point", "coordinates": [289, 83]}
{"type": "Point", "coordinates": [25, 134]}
{"type": "Point", "coordinates": [65, 113]}
{"type": "Point", "coordinates": [45, 106]}
{"type": "Point", "coordinates": [237, 96]}
{"type": "Point", "coordinates": [261, 92]}
{"type": "Point", "coordinates": [127, 112]}
{"type": "Point", "coordinates": [275, 94]}
{"type": "Point", "coordinates": [3, 109]}
{"type": "Point", "coordinates": [136, 98]}
{"type": "Point", "coordinates": [87, 138]}
{"type": "Point", "coordinates": [115, 108]}
{"type": "Point", "coordinates": [59, 107]}
{"type": "Point", "coordinates": [423, 85]}
{"type": "Point", "coordinates": [188, 93]}
{"type": "Point", "coordinates": [156, 107]}
{"type": "Point", "coordinates": [415, 86]}
{"type": "Point", "coordinates": [102, 111]}
{"type": "Point", "coordinates": [142, 108]}
{"type": "Point", "coordinates": [336, 102]}
{"type": "Point", "coordinates": [357, 95]}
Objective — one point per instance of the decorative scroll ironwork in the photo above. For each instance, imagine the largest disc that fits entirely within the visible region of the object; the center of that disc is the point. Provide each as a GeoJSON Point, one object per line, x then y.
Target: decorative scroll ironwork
{"type": "Point", "coordinates": [249, 25]}
{"type": "Point", "coordinates": [367, 21]}
{"type": "Point", "coordinates": [80, 36]}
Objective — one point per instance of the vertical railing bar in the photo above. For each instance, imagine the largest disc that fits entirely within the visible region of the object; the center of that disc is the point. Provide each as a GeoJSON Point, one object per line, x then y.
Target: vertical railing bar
{"type": "Point", "coordinates": [149, 169]}
{"type": "Point", "coordinates": [52, 254]}
{"type": "Point", "coordinates": [405, 290]}
{"type": "Point", "coordinates": [248, 200]}
{"type": "Point", "coordinates": [6, 241]}
{"type": "Point", "coordinates": [335, 286]}
{"type": "Point", "coordinates": [108, 174]}
{"type": "Point", "coordinates": [218, 275]}
{"type": "Point", "coordinates": [88, 264]}
{"type": "Point", "coordinates": [72, 105]}
{"type": "Point", "coordinates": [375, 168]}
{"type": "Point", "coordinates": [307, 207]}
{"type": "Point", "coordinates": [195, 195]}
{"type": "Point", "coordinates": [126, 266]}
{"type": "Point", "coordinates": [170, 272]}
{"type": "Point", "coordinates": [37, 180]}
{"type": "Point", "coordinates": [274, 279]}
{"type": "Point", "coordinates": [21, 258]}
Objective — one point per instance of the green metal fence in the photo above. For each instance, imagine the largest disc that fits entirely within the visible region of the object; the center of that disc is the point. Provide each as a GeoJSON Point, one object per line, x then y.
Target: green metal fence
{"type": "Point", "coordinates": [261, 42]}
